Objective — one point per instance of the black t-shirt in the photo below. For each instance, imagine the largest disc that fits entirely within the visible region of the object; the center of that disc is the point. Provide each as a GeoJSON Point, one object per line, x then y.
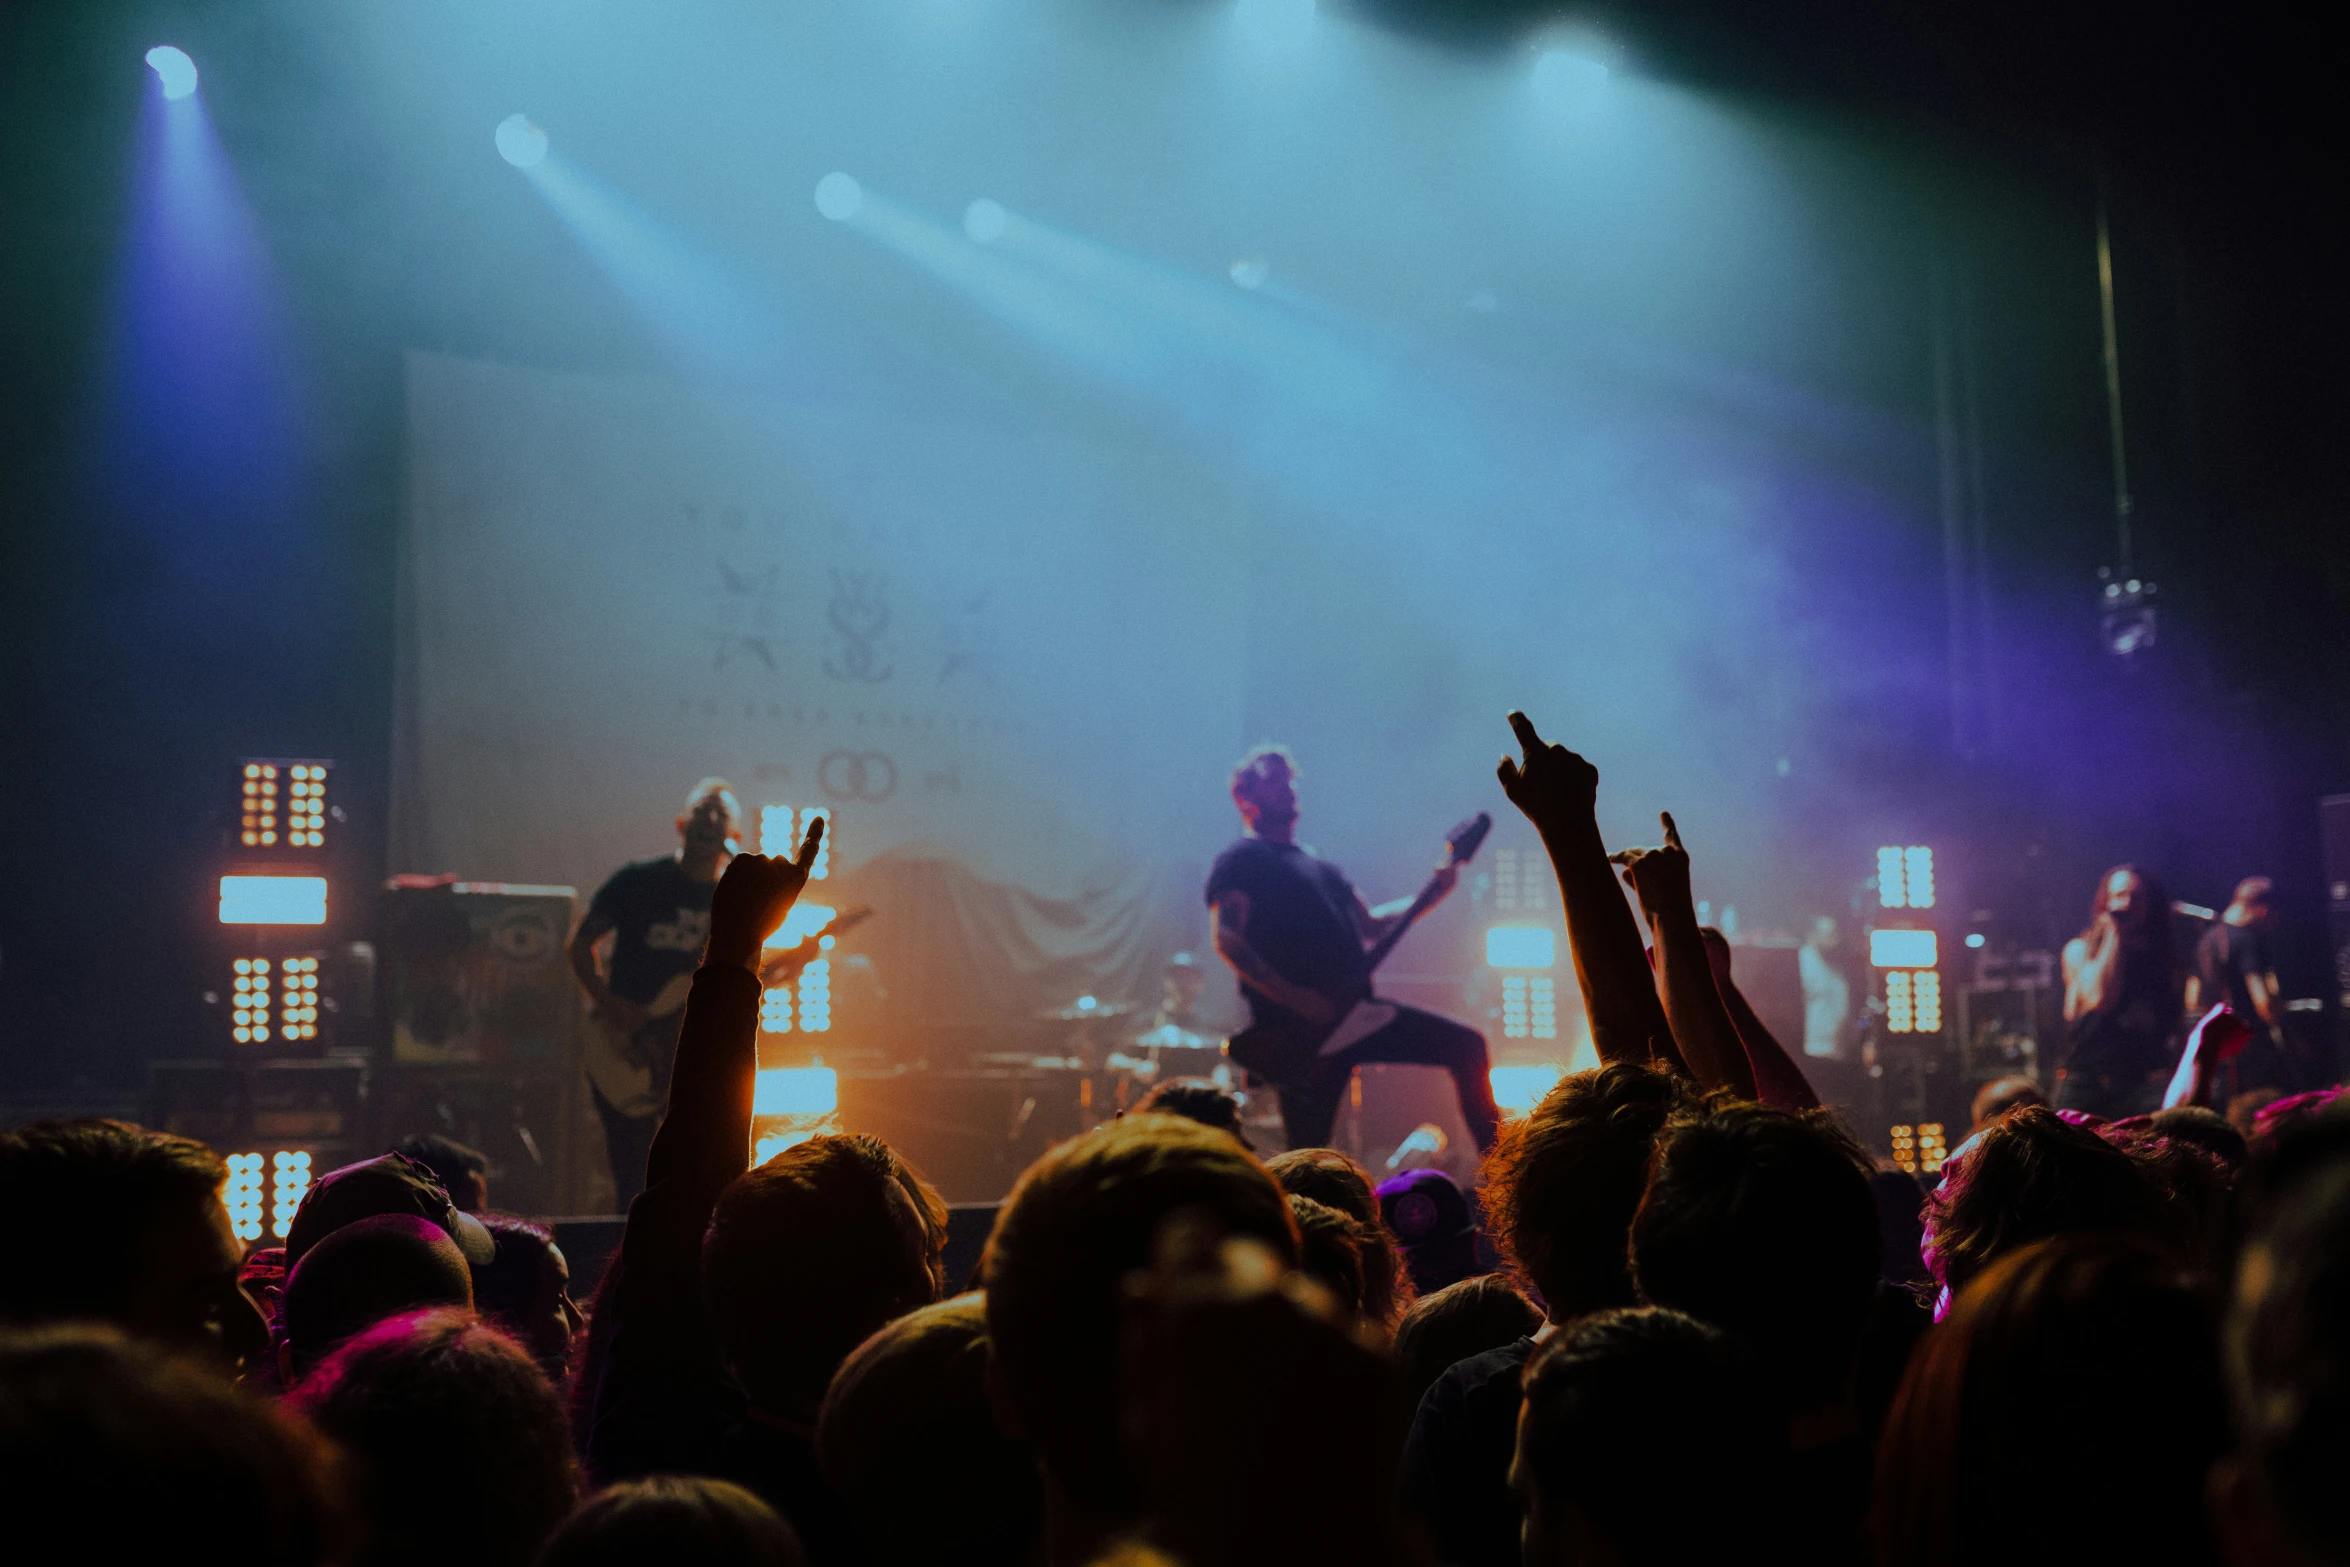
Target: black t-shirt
{"type": "Point", "coordinates": [2225, 955]}
{"type": "Point", "coordinates": [1301, 917]}
{"type": "Point", "coordinates": [1456, 1464]}
{"type": "Point", "coordinates": [660, 917]}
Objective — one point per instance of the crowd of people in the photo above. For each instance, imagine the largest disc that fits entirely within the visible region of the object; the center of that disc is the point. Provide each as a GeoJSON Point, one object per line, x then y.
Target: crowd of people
{"type": "Point", "coordinates": [1683, 1318]}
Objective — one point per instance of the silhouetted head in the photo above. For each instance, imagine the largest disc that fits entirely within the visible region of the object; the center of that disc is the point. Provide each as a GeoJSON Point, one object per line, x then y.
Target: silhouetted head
{"type": "Point", "coordinates": [2251, 904]}
{"type": "Point", "coordinates": [2066, 1411]}
{"type": "Point", "coordinates": [1331, 1178]}
{"type": "Point", "coordinates": [465, 1458]}
{"type": "Point", "coordinates": [1563, 1182]}
{"type": "Point", "coordinates": [2140, 909]}
{"type": "Point", "coordinates": [1264, 788]}
{"type": "Point", "coordinates": [2028, 1176]}
{"type": "Point", "coordinates": [116, 1223]}
{"type": "Point", "coordinates": [809, 1253]}
{"type": "Point", "coordinates": [1195, 1100]}
{"type": "Point", "coordinates": [2002, 1095]}
{"type": "Point", "coordinates": [1761, 1222]}
{"type": "Point", "coordinates": [1602, 1399]}
{"type": "Point", "coordinates": [673, 1521]}
{"type": "Point", "coordinates": [1455, 1322]}
{"type": "Point", "coordinates": [526, 1290]}
{"type": "Point", "coordinates": [713, 818]}
{"type": "Point", "coordinates": [908, 1441]}
{"type": "Point", "coordinates": [117, 1450]}
{"type": "Point", "coordinates": [2277, 1498]}
{"type": "Point", "coordinates": [464, 1172]}
{"type": "Point", "coordinates": [1082, 1218]}
{"type": "Point", "coordinates": [361, 1274]}
{"type": "Point", "coordinates": [1330, 1250]}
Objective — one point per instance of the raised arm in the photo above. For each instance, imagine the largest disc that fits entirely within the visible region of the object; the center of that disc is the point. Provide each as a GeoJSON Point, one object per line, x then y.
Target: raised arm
{"type": "Point", "coordinates": [1778, 1080]}
{"type": "Point", "coordinates": [2092, 969]}
{"type": "Point", "coordinates": [1556, 790]}
{"type": "Point", "coordinates": [656, 1387]}
{"type": "Point", "coordinates": [708, 1125]}
{"type": "Point", "coordinates": [1693, 1004]}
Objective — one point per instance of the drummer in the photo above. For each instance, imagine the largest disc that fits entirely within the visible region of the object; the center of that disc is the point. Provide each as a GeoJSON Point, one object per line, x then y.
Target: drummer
{"type": "Point", "coordinates": [1177, 1024]}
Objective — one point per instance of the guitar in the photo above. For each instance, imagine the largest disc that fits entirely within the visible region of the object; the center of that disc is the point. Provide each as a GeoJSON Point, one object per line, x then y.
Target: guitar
{"type": "Point", "coordinates": [621, 1063]}
{"type": "Point", "coordinates": [1285, 1047]}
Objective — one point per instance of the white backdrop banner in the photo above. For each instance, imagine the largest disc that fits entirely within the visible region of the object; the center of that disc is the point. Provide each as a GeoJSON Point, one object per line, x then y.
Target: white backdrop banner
{"type": "Point", "coordinates": [1018, 655]}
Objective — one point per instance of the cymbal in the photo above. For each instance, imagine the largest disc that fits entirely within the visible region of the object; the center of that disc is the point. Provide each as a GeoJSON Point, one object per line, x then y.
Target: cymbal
{"type": "Point", "coordinates": [1086, 1009]}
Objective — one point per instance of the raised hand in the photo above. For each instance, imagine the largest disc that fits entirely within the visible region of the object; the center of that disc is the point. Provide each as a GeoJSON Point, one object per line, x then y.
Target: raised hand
{"type": "Point", "coordinates": [1659, 876]}
{"type": "Point", "coordinates": [753, 896]}
{"type": "Point", "coordinates": [1552, 785]}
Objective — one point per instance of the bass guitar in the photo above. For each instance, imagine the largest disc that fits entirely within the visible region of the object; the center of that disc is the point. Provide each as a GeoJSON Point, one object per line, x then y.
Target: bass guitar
{"type": "Point", "coordinates": [630, 1067]}
{"type": "Point", "coordinates": [1284, 1048]}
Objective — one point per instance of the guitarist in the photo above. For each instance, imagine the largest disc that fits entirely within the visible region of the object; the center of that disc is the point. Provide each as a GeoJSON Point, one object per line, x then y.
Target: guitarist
{"type": "Point", "coordinates": [1295, 930]}
{"type": "Point", "coordinates": [657, 913]}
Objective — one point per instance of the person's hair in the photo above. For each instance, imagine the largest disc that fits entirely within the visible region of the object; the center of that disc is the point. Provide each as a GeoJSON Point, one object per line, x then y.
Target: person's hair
{"type": "Point", "coordinates": [1761, 1222]}
{"type": "Point", "coordinates": [2252, 892]}
{"type": "Point", "coordinates": [507, 1290]}
{"type": "Point", "coordinates": [2066, 1411]}
{"type": "Point", "coordinates": [1195, 1100]}
{"type": "Point", "coordinates": [2002, 1095]}
{"type": "Point", "coordinates": [83, 1196]}
{"type": "Point", "coordinates": [907, 1414]}
{"type": "Point", "coordinates": [805, 1256]}
{"type": "Point", "coordinates": [717, 786]}
{"type": "Point", "coordinates": [2030, 1175]}
{"type": "Point", "coordinates": [1455, 1322]}
{"type": "Point", "coordinates": [1610, 1393]}
{"type": "Point", "coordinates": [1561, 1185]}
{"type": "Point", "coordinates": [2288, 1347]}
{"type": "Point", "coordinates": [2244, 1109]}
{"type": "Point", "coordinates": [446, 1157]}
{"type": "Point", "coordinates": [2155, 921]}
{"type": "Point", "coordinates": [1330, 1250]}
{"type": "Point", "coordinates": [1079, 1220]}
{"type": "Point", "coordinates": [463, 1450]}
{"type": "Point", "coordinates": [144, 1456]}
{"type": "Point", "coordinates": [364, 1272]}
{"type": "Point", "coordinates": [2204, 1128]}
{"type": "Point", "coordinates": [1261, 764]}
{"type": "Point", "coordinates": [675, 1521]}
{"type": "Point", "coordinates": [1331, 1178]}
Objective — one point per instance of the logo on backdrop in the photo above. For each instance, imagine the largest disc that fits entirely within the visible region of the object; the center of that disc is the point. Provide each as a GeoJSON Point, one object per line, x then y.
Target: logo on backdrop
{"type": "Point", "coordinates": [857, 775]}
{"type": "Point", "coordinates": [859, 616]}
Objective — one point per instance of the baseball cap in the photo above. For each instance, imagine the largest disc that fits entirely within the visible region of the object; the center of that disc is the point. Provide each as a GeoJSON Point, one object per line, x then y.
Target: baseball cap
{"type": "Point", "coordinates": [388, 1183]}
{"type": "Point", "coordinates": [1423, 1207]}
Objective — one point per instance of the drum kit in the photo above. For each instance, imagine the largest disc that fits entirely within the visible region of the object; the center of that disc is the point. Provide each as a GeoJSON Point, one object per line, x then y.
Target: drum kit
{"type": "Point", "coordinates": [1100, 1038]}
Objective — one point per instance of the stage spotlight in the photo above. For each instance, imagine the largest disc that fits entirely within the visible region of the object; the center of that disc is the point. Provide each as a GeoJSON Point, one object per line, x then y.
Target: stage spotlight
{"type": "Point", "coordinates": [1905, 877]}
{"type": "Point", "coordinates": [1902, 948]}
{"type": "Point", "coordinates": [984, 220]}
{"type": "Point", "coordinates": [173, 69]}
{"type": "Point", "coordinates": [1520, 946]}
{"type": "Point", "coordinates": [273, 900]}
{"type": "Point", "coordinates": [1518, 1089]}
{"type": "Point", "coordinates": [1249, 272]}
{"type": "Point", "coordinates": [243, 1195]}
{"type": "Point", "coordinates": [521, 143]}
{"type": "Point", "coordinates": [1274, 23]}
{"type": "Point", "coordinates": [838, 196]}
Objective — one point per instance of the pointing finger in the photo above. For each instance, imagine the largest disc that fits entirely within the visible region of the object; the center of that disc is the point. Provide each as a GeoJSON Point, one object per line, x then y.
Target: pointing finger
{"type": "Point", "coordinates": [808, 844]}
{"type": "Point", "coordinates": [1672, 833]}
{"type": "Point", "coordinates": [1523, 728]}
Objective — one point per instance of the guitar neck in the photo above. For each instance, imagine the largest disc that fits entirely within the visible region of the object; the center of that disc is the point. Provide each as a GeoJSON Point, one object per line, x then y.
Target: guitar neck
{"type": "Point", "coordinates": [1395, 933]}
